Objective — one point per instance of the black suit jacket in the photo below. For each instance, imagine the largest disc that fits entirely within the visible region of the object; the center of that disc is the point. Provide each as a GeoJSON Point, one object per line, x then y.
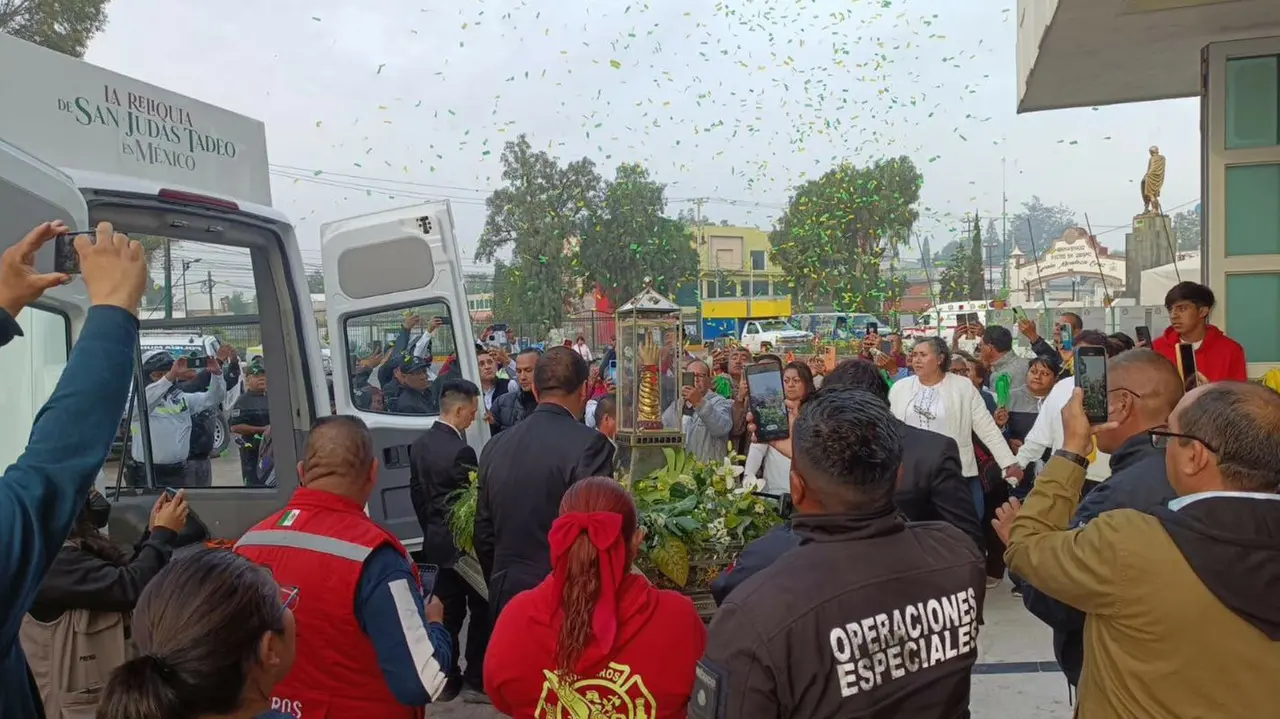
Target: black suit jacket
{"type": "Point", "coordinates": [439, 464]}
{"type": "Point", "coordinates": [524, 472]}
{"type": "Point", "coordinates": [932, 487]}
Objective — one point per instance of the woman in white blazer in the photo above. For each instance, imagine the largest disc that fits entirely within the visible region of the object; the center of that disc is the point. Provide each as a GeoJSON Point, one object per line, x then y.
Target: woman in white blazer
{"type": "Point", "coordinates": [936, 400]}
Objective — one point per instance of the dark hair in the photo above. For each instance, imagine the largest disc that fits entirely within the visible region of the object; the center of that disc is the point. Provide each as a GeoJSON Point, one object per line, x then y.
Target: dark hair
{"type": "Point", "coordinates": [582, 564]}
{"type": "Point", "coordinates": [940, 348]}
{"type": "Point", "coordinates": [1241, 422]}
{"type": "Point", "coordinates": [1049, 362]}
{"type": "Point", "coordinates": [806, 376]}
{"type": "Point", "coordinates": [847, 447]}
{"type": "Point", "coordinates": [1188, 291]}
{"type": "Point", "coordinates": [606, 406]}
{"type": "Point", "coordinates": [529, 351]}
{"type": "Point", "coordinates": [999, 338]}
{"type": "Point", "coordinates": [1074, 320]}
{"type": "Point", "coordinates": [1125, 340]}
{"type": "Point", "coordinates": [454, 392]}
{"type": "Point", "coordinates": [1092, 338]}
{"type": "Point", "coordinates": [87, 537]}
{"type": "Point", "coordinates": [560, 370]}
{"type": "Point", "coordinates": [766, 357]}
{"type": "Point", "coordinates": [857, 374]}
{"type": "Point", "coordinates": [197, 627]}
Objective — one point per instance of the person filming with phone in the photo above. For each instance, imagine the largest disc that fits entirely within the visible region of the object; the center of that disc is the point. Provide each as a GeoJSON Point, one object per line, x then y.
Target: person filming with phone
{"type": "Point", "coordinates": [170, 414]}
{"type": "Point", "coordinates": [704, 417]}
{"type": "Point", "coordinates": [369, 645]}
{"type": "Point", "coordinates": [1213, 355]}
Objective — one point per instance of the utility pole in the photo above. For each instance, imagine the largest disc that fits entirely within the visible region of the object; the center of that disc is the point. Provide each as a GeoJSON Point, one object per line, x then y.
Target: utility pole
{"type": "Point", "coordinates": [1004, 224]}
{"type": "Point", "coordinates": [186, 303]}
{"type": "Point", "coordinates": [168, 281]}
{"type": "Point", "coordinates": [209, 289]}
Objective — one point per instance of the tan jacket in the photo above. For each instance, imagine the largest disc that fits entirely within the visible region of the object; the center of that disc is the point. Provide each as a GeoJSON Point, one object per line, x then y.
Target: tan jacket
{"type": "Point", "coordinates": [1157, 642]}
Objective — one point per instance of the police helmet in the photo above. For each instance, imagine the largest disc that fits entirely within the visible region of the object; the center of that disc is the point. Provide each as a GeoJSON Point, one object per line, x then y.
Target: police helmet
{"type": "Point", "coordinates": [156, 361]}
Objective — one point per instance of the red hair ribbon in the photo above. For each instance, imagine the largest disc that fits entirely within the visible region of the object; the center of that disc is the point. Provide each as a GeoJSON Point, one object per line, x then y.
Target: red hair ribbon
{"type": "Point", "coordinates": [604, 531]}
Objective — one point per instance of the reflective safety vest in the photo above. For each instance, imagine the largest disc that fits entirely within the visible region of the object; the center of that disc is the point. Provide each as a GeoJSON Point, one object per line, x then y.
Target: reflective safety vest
{"type": "Point", "coordinates": [318, 543]}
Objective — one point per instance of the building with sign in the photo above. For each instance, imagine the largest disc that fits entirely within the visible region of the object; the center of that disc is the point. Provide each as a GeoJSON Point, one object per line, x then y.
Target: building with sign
{"type": "Point", "coordinates": [1075, 263]}
{"type": "Point", "coordinates": [1082, 53]}
{"type": "Point", "coordinates": [737, 280]}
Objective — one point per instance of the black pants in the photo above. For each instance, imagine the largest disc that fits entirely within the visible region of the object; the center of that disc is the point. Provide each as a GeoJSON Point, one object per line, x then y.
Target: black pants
{"type": "Point", "coordinates": [458, 598]}
{"type": "Point", "coordinates": [995, 494]}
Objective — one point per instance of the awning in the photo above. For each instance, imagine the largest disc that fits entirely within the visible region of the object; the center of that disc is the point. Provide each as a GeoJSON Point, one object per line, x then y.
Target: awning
{"type": "Point", "coordinates": [1082, 53]}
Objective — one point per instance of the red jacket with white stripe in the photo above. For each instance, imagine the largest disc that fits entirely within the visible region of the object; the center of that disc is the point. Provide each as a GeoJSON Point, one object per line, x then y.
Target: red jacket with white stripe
{"type": "Point", "coordinates": [318, 543]}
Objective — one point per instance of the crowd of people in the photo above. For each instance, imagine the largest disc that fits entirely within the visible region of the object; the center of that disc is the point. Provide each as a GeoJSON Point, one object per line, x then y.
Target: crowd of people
{"type": "Point", "coordinates": [1148, 542]}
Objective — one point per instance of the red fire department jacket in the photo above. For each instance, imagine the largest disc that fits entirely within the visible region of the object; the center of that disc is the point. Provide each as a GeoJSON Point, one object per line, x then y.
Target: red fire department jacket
{"type": "Point", "coordinates": [318, 543]}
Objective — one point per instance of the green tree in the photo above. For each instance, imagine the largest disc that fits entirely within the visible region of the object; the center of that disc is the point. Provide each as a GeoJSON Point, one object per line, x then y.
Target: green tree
{"type": "Point", "coordinates": [315, 281]}
{"type": "Point", "coordinates": [973, 267]}
{"type": "Point", "coordinates": [626, 238]}
{"type": "Point", "coordinates": [837, 229]}
{"type": "Point", "coordinates": [238, 305]}
{"type": "Point", "coordinates": [66, 26]}
{"type": "Point", "coordinates": [1047, 222]}
{"type": "Point", "coordinates": [1185, 226]}
{"type": "Point", "coordinates": [537, 214]}
{"type": "Point", "coordinates": [953, 280]}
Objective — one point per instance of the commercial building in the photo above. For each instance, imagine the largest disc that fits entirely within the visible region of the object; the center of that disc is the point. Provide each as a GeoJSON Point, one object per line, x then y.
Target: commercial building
{"type": "Point", "coordinates": [1082, 53]}
{"type": "Point", "coordinates": [737, 279]}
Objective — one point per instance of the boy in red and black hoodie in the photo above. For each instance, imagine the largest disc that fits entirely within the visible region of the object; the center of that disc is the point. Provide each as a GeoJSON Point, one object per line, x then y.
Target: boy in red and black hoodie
{"type": "Point", "coordinates": [1218, 357]}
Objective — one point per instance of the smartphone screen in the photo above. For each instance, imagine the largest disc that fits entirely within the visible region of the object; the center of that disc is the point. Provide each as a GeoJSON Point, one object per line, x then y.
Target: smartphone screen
{"type": "Point", "coordinates": [1187, 364]}
{"type": "Point", "coordinates": [1144, 335]}
{"type": "Point", "coordinates": [1091, 376]}
{"type": "Point", "coordinates": [1065, 340]}
{"type": "Point", "coordinates": [873, 328]}
{"type": "Point", "coordinates": [1019, 315]}
{"type": "Point", "coordinates": [972, 319]}
{"type": "Point", "coordinates": [65, 258]}
{"type": "Point", "coordinates": [764, 381]}
{"type": "Point", "coordinates": [687, 379]}
{"type": "Point", "coordinates": [612, 371]}
{"type": "Point", "coordinates": [428, 573]}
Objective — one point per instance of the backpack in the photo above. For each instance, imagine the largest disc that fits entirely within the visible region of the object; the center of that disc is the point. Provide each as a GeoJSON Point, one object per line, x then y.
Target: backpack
{"type": "Point", "coordinates": [202, 434]}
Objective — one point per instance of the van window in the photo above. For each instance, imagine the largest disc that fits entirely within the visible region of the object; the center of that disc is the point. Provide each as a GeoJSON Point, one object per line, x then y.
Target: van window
{"type": "Point", "coordinates": [206, 427]}
{"type": "Point", "coordinates": [398, 359]}
{"type": "Point", "coordinates": [30, 365]}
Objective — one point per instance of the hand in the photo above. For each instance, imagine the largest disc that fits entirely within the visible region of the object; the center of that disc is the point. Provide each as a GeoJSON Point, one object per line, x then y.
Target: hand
{"type": "Point", "coordinates": [871, 340]}
{"type": "Point", "coordinates": [113, 268]}
{"type": "Point", "coordinates": [227, 353]}
{"type": "Point", "coordinates": [744, 391]}
{"type": "Point", "coordinates": [1015, 444]}
{"type": "Point", "coordinates": [751, 426]}
{"type": "Point", "coordinates": [435, 610]}
{"type": "Point", "coordinates": [1014, 473]}
{"type": "Point", "coordinates": [179, 367]}
{"type": "Point", "coordinates": [20, 285]}
{"type": "Point", "coordinates": [1200, 380]}
{"type": "Point", "coordinates": [436, 323]}
{"type": "Point", "coordinates": [693, 395]}
{"type": "Point", "coordinates": [162, 500]}
{"type": "Point", "coordinates": [886, 362]}
{"type": "Point", "coordinates": [412, 321]}
{"type": "Point", "coordinates": [213, 365]}
{"type": "Point", "coordinates": [1077, 434]}
{"type": "Point", "coordinates": [488, 417]}
{"type": "Point", "coordinates": [1003, 523]}
{"type": "Point", "coordinates": [1028, 330]}
{"type": "Point", "coordinates": [172, 515]}
{"type": "Point", "coordinates": [1002, 417]}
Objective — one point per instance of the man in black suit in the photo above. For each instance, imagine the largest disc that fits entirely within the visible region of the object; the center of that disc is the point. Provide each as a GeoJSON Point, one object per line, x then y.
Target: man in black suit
{"type": "Point", "coordinates": [524, 472]}
{"type": "Point", "coordinates": [440, 462]}
{"type": "Point", "coordinates": [930, 485]}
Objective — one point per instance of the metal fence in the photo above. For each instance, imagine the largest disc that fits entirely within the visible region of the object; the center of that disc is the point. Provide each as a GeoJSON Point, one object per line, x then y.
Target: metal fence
{"type": "Point", "coordinates": [597, 328]}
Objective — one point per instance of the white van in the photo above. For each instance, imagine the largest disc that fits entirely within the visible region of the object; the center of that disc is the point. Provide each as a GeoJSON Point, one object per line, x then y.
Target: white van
{"type": "Point", "coordinates": [81, 144]}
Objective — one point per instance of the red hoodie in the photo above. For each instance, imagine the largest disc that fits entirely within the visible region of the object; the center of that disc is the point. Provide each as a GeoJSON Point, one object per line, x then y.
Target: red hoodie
{"type": "Point", "coordinates": [648, 674]}
{"type": "Point", "coordinates": [1219, 357]}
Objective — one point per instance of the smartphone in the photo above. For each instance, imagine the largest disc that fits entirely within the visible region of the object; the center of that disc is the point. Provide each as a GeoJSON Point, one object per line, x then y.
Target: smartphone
{"type": "Point", "coordinates": [612, 371]}
{"type": "Point", "coordinates": [1144, 335]}
{"type": "Point", "coordinates": [764, 382]}
{"type": "Point", "coordinates": [170, 492]}
{"type": "Point", "coordinates": [873, 328]}
{"type": "Point", "coordinates": [1187, 364]}
{"type": "Point", "coordinates": [886, 346]}
{"type": "Point", "coordinates": [1091, 376]}
{"type": "Point", "coordinates": [428, 573]}
{"type": "Point", "coordinates": [687, 379]}
{"type": "Point", "coordinates": [1019, 315]}
{"type": "Point", "coordinates": [1065, 339]}
{"type": "Point", "coordinates": [971, 319]}
{"type": "Point", "coordinates": [65, 258]}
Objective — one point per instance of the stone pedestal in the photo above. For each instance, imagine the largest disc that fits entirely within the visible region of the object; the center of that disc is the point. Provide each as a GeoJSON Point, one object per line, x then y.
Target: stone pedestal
{"type": "Point", "coordinates": [1150, 244]}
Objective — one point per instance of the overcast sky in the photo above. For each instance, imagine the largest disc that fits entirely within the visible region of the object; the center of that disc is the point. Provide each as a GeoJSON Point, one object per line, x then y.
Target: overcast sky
{"type": "Point", "coordinates": [375, 105]}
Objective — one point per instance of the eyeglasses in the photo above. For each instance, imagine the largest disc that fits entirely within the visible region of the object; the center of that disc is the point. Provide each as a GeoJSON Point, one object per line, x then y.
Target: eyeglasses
{"type": "Point", "coordinates": [1160, 439]}
{"type": "Point", "coordinates": [1125, 389]}
{"type": "Point", "coordinates": [288, 598]}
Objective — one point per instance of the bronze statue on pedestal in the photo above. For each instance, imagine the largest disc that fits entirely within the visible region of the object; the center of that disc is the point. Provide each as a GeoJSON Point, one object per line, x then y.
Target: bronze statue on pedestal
{"type": "Point", "coordinates": [1152, 182]}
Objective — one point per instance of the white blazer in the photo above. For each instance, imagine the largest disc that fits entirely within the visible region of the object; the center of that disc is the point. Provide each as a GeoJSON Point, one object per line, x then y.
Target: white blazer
{"type": "Point", "coordinates": [966, 415]}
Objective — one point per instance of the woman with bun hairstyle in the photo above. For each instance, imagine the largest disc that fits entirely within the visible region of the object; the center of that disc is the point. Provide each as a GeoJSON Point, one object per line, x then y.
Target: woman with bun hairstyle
{"type": "Point", "coordinates": [595, 638]}
{"type": "Point", "coordinates": [214, 634]}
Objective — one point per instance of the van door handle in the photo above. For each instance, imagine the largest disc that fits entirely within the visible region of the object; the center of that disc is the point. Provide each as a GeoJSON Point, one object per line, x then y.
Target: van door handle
{"type": "Point", "coordinates": [395, 456]}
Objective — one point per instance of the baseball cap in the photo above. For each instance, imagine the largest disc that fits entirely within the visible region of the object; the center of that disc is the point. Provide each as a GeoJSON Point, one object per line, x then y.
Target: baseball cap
{"type": "Point", "coordinates": [157, 361]}
{"type": "Point", "coordinates": [410, 364]}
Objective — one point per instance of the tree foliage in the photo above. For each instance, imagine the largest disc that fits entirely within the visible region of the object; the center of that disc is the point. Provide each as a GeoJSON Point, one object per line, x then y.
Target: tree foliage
{"type": "Point", "coordinates": [538, 213]}
{"type": "Point", "coordinates": [315, 281]}
{"type": "Point", "coordinates": [626, 238]}
{"type": "Point", "coordinates": [66, 26]}
{"type": "Point", "coordinates": [974, 266]}
{"type": "Point", "coordinates": [837, 228]}
{"type": "Point", "coordinates": [953, 281]}
{"type": "Point", "coordinates": [1048, 224]}
{"type": "Point", "coordinates": [1185, 226]}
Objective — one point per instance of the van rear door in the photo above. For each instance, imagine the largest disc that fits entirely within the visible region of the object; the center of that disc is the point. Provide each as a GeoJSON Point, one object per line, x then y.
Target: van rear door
{"type": "Point", "coordinates": [31, 192]}
{"type": "Point", "coordinates": [382, 272]}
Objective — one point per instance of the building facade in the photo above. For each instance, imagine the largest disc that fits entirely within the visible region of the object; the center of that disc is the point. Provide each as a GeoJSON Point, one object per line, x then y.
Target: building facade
{"type": "Point", "coordinates": [1082, 53]}
{"type": "Point", "coordinates": [737, 278]}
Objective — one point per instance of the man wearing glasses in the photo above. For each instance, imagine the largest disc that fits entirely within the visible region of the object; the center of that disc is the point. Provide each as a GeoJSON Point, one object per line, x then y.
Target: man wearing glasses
{"type": "Point", "coordinates": [1180, 604]}
{"type": "Point", "coordinates": [1142, 389]}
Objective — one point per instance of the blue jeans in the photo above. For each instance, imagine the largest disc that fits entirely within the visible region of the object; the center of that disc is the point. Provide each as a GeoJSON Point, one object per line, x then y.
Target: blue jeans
{"type": "Point", "coordinates": [979, 500]}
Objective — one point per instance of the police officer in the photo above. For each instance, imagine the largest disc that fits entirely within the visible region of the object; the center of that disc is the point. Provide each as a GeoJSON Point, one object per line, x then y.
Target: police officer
{"type": "Point", "coordinates": [250, 419]}
{"type": "Point", "coordinates": [410, 392]}
{"type": "Point", "coordinates": [169, 414]}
